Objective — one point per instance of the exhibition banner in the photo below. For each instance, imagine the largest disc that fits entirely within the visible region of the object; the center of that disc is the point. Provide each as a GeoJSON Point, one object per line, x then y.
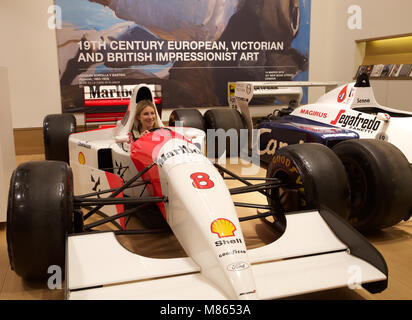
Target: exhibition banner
{"type": "Point", "coordinates": [187, 50]}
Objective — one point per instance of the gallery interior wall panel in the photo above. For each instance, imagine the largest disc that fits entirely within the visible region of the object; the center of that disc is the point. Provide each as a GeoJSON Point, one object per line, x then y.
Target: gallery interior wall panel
{"type": "Point", "coordinates": [333, 48]}
{"type": "Point", "coordinates": [28, 50]}
{"type": "Point", "coordinates": [7, 155]}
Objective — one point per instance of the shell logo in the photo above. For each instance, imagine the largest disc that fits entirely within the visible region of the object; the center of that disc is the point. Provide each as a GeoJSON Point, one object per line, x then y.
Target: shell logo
{"type": "Point", "coordinates": [82, 159]}
{"type": "Point", "coordinates": [223, 228]}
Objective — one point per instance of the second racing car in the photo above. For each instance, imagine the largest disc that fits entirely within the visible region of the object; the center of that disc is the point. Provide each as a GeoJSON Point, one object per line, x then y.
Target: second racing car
{"type": "Point", "coordinates": [371, 140]}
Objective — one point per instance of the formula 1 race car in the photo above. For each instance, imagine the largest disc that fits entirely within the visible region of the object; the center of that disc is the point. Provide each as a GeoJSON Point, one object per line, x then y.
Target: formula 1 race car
{"type": "Point", "coordinates": [371, 140]}
{"type": "Point", "coordinates": [166, 174]}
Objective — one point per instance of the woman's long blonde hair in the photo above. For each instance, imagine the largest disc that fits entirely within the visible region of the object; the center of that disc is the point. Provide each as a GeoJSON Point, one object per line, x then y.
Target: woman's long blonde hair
{"type": "Point", "coordinates": [139, 108]}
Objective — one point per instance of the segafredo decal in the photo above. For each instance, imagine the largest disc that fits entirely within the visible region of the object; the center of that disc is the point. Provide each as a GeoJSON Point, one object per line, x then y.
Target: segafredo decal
{"type": "Point", "coordinates": [359, 122]}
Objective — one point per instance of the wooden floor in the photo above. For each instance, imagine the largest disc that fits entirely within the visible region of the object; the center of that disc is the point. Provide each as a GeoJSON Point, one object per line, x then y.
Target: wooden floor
{"type": "Point", "coordinates": [395, 244]}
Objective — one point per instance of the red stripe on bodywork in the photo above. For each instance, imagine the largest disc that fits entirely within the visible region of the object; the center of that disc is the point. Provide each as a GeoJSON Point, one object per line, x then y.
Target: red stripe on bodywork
{"type": "Point", "coordinates": [107, 102]}
{"type": "Point", "coordinates": [98, 117]}
{"type": "Point", "coordinates": [145, 150]}
{"type": "Point", "coordinates": [113, 102]}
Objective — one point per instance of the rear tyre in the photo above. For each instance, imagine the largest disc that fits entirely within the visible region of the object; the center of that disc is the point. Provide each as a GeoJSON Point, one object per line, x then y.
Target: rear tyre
{"type": "Point", "coordinates": [188, 118]}
{"type": "Point", "coordinates": [231, 122]}
{"type": "Point", "coordinates": [318, 174]}
{"type": "Point", "coordinates": [380, 181]}
{"type": "Point", "coordinates": [56, 131]}
{"type": "Point", "coordinates": [39, 217]}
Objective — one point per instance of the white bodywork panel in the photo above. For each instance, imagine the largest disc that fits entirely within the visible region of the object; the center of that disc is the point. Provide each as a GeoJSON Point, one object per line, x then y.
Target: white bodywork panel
{"type": "Point", "coordinates": [338, 103]}
{"type": "Point", "coordinates": [280, 269]}
{"type": "Point", "coordinates": [242, 92]}
{"type": "Point", "coordinates": [343, 107]}
{"type": "Point", "coordinates": [274, 280]}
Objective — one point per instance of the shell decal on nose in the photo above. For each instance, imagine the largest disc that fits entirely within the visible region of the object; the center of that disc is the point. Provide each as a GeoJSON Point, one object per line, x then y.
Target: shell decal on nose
{"type": "Point", "coordinates": [223, 228]}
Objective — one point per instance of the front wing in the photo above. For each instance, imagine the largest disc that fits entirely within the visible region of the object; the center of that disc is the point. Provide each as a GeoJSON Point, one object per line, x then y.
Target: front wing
{"type": "Point", "coordinates": [318, 251]}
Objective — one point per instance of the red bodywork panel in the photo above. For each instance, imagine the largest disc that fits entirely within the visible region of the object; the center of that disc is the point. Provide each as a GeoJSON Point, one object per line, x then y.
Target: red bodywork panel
{"type": "Point", "coordinates": [144, 151]}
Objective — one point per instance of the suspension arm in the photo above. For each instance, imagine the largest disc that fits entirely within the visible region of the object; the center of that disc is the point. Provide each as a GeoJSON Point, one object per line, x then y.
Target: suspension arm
{"type": "Point", "coordinates": [111, 190]}
{"type": "Point", "coordinates": [120, 190]}
{"type": "Point", "coordinates": [218, 166]}
{"type": "Point", "coordinates": [113, 201]}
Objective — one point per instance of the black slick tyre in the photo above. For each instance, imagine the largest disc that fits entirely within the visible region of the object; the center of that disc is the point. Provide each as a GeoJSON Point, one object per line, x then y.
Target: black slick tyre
{"type": "Point", "coordinates": [56, 131]}
{"type": "Point", "coordinates": [39, 217]}
{"type": "Point", "coordinates": [381, 182]}
{"type": "Point", "coordinates": [231, 122]}
{"type": "Point", "coordinates": [316, 177]}
{"type": "Point", "coordinates": [187, 118]}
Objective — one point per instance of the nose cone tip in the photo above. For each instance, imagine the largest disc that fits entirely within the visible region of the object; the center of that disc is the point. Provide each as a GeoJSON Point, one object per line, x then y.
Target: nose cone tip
{"type": "Point", "coordinates": [249, 296]}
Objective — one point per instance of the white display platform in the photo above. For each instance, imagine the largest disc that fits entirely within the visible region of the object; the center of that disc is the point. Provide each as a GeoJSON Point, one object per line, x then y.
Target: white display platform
{"type": "Point", "coordinates": [7, 151]}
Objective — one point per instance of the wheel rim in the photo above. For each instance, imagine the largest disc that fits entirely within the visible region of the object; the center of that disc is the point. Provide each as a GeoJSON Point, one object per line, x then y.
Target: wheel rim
{"type": "Point", "coordinates": [288, 199]}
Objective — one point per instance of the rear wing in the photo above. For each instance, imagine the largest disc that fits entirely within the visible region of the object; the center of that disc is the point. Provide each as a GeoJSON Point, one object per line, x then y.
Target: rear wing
{"type": "Point", "coordinates": [240, 94]}
{"type": "Point", "coordinates": [288, 91]}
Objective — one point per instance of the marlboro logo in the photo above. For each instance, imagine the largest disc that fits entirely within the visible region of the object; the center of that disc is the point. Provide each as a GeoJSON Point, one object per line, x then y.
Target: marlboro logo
{"type": "Point", "coordinates": [223, 228]}
{"type": "Point", "coordinates": [108, 92]}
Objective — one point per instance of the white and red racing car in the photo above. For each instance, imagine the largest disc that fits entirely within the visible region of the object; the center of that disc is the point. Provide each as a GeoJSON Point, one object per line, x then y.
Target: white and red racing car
{"type": "Point", "coordinates": [166, 174]}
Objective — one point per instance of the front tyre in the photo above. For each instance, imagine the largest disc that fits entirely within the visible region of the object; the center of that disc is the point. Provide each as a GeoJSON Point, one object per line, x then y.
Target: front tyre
{"type": "Point", "coordinates": [39, 217]}
{"type": "Point", "coordinates": [314, 177]}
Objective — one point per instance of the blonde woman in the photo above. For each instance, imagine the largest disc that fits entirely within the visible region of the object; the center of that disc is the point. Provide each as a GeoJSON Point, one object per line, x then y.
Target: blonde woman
{"type": "Point", "coordinates": [145, 118]}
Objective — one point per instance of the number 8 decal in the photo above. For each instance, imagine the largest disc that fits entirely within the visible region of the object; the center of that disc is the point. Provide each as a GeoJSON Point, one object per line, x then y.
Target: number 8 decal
{"type": "Point", "coordinates": [201, 180]}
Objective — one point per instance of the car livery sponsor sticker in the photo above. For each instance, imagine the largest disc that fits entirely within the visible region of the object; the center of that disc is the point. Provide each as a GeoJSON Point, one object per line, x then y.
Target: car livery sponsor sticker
{"type": "Point", "coordinates": [223, 228]}
{"type": "Point", "coordinates": [342, 94]}
{"type": "Point", "coordinates": [178, 150]}
{"type": "Point", "coordinates": [359, 122]}
{"type": "Point", "coordinates": [363, 100]}
{"type": "Point", "coordinates": [232, 252]}
{"type": "Point", "coordinates": [238, 266]}
{"type": "Point", "coordinates": [84, 145]}
{"type": "Point", "coordinates": [314, 113]}
{"type": "Point", "coordinates": [81, 157]}
{"type": "Point", "coordinates": [231, 241]}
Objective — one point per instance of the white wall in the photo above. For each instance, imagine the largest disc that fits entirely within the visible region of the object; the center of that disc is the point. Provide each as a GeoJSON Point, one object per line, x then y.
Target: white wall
{"type": "Point", "coordinates": [7, 155]}
{"type": "Point", "coordinates": [333, 52]}
{"type": "Point", "coordinates": [28, 50]}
